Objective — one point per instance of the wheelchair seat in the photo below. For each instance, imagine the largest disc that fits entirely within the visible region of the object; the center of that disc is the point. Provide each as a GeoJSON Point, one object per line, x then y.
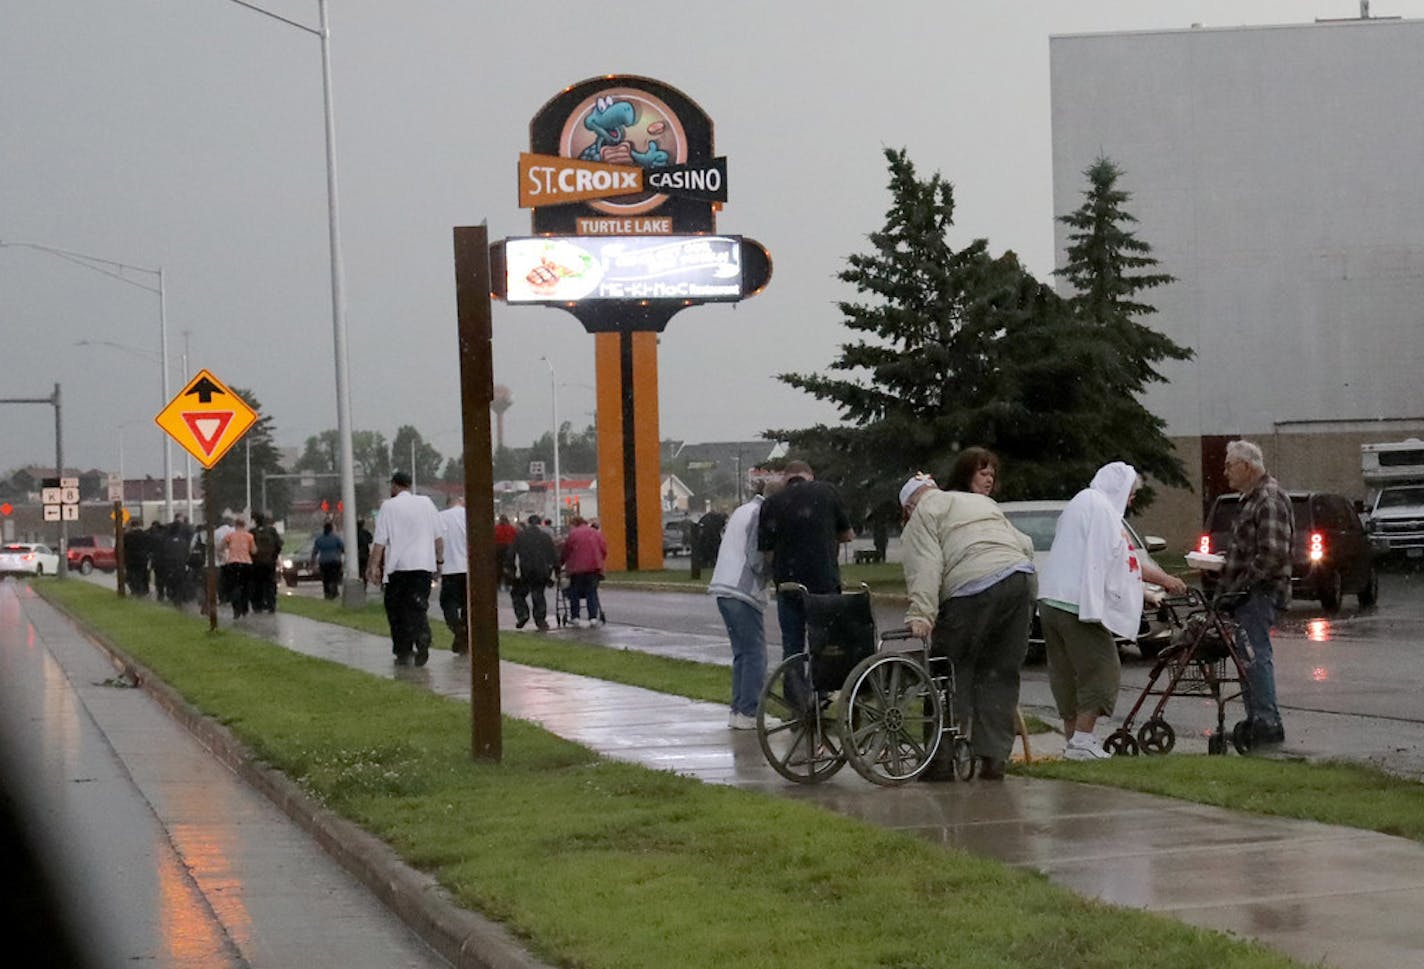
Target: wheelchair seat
{"type": "Point", "coordinates": [840, 632]}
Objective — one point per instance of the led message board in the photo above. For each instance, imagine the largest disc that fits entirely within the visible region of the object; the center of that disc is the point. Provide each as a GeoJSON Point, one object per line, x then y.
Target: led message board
{"type": "Point", "coordinates": [567, 269]}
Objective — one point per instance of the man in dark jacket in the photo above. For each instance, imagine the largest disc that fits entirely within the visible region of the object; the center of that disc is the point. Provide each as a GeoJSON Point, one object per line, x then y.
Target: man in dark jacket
{"type": "Point", "coordinates": [535, 561]}
{"type": "Point", "coordinates": [800, 531]}
{"type": "Point", "coordinates": [268, 546]}
{"type": "Point", "coordinates": [136, 553]}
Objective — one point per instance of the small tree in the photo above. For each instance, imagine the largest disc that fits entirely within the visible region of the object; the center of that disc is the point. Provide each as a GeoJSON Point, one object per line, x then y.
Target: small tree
{"type": "Point", "coordinates": [226, 483]}
{"type": "Point", "coordinates": [1109, 267]}
{"type": "Point", "coordinates": [408, 442]}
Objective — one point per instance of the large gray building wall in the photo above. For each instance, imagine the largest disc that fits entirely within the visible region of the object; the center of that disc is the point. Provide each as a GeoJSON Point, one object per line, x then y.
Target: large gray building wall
{"type": "Point", "coordinates": [1276, 173]}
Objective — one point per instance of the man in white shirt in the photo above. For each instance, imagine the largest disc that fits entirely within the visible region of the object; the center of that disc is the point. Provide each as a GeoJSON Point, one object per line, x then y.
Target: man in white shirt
{"type": "Point", "coordinates": [453, 575]}
{"type": "Point", "coordinates": [220, 558]}
{"type": "Point", "coordinates": [407, 552]}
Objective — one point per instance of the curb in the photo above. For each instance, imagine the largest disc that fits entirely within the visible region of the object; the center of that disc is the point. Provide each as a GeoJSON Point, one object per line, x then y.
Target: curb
{"type": "Point", "coordinates": [465, 938]}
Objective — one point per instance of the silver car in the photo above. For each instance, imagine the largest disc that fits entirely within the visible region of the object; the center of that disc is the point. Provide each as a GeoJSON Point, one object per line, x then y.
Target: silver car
{"type": "Point", "coordinates": [1039, 519]}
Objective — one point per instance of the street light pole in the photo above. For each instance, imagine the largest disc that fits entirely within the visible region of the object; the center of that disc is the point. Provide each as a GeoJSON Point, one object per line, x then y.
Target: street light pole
{"type": "Point", "coordinates": [353, 590]}
{"type": "Point", "coordinates": [116, 271]}
{"type": "Point", "coordinates": [558, 492]}
{"type": "Point", "coordinates": [187, 458]}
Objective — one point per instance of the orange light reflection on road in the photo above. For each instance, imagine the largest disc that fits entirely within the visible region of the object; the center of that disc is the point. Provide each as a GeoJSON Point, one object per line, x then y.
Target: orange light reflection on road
{"type": "Point", "coordinates": [1320, 674]}
{"type": "Point", "coordinates": [1318, 630]}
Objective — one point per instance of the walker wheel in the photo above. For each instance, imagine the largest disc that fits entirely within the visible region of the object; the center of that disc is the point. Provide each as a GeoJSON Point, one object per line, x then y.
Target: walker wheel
{"type": "Point", "coordinates": [964, 762]}
{"type": "Point", "coordinates": [1241, 736]}
{"type": "Point", "coordinates": [1121, 743]}
{"type": "Point", "coordinates": [1157, 737]}
{"type": "Point", "coordinates": [1216, 744]}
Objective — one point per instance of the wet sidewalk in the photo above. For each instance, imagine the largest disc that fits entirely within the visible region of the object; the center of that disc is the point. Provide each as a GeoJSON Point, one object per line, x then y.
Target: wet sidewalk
{"type": "Point", "coordinates": [1320, 893]}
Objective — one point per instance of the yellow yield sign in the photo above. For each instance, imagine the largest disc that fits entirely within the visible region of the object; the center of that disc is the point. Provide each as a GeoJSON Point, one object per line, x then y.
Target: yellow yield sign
{"type": "Point", "coordinates": [206, 418]}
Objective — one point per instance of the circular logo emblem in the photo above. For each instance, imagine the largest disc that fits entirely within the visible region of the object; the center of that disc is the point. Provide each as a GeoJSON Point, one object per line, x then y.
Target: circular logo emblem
{"type": "Point", "coordinates": [624, 126]}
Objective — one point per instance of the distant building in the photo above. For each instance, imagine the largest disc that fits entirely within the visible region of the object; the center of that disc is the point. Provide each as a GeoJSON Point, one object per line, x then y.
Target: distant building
{"type": "Point", "coordinates": [1273, 171]}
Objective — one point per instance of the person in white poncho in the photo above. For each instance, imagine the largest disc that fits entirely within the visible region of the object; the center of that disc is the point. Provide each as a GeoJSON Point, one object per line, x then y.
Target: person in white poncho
{"type": "Point", "coordinates": [1090, 594]}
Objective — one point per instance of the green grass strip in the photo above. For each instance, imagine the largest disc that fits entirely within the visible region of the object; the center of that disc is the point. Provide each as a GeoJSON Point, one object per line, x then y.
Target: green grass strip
{"type": "Point", "coordinates": [601, 865]}
{"type": "Point", "coordinates": [1353, 795]}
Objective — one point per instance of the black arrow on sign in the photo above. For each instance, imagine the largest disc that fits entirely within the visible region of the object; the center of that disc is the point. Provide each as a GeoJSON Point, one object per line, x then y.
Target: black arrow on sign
{"type": "Point", "coordinates": [205, 389]}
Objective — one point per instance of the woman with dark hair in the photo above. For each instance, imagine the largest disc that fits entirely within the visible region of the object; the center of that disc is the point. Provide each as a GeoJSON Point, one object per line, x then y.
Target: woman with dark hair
{"type": "Point", "coordinates": [976, 470]}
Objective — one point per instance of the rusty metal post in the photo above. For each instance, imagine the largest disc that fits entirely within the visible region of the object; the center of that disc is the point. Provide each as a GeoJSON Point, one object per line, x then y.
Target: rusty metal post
{"type": "Point", "coordinates": [475, 331]}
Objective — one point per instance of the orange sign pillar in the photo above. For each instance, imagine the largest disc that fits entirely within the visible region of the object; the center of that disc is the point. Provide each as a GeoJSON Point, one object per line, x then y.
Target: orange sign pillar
{"type": "Point", "coordinates": [629, 474]}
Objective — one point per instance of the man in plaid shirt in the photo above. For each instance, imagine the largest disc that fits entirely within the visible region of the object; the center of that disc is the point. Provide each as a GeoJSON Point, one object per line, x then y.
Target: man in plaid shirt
{"type": "Point", "coordinates": [1258, 564]}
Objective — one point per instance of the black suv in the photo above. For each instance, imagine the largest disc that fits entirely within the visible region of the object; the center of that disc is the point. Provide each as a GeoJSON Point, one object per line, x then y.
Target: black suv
{"type": "Point", "coordinates": [1330, 555]}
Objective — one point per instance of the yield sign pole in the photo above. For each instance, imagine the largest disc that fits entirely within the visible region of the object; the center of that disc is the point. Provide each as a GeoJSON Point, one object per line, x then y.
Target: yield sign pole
{"type": "Point", "coordinates": [207, 419]}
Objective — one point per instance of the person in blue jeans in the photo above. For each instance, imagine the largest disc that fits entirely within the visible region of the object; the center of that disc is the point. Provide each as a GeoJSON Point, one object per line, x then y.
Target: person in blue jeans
{"type": "Point", "coordinates": [1258, 568]}
{"type": "Point", "coordinates": [800, 530]}
{"type": "Point", "coordinates": [739, 583]}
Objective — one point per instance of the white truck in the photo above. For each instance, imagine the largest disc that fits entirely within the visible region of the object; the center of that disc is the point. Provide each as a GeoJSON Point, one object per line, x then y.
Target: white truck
{"type": "Point", "coordinates": [1394, 477]}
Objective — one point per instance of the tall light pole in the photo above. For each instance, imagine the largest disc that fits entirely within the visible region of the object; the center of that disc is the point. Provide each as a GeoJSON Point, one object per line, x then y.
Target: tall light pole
{"type": "Point", "coordinates": [116, 270]}
{"type": "Point", "coordinates": [558, 486]}
{"type": "Point", "coordinates": [187, 458]}
{"type": "Point", "coordinates": [353, 591]}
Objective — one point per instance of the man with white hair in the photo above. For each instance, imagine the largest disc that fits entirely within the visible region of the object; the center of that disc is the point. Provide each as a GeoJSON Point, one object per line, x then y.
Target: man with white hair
{"type": "Point", "coordinates": [968, 572]}
{"type": "Point", "coordinates": [1258, 567]}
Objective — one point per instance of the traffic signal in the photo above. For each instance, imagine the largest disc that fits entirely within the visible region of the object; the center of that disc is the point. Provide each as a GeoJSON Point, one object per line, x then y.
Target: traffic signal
{"type": "Point", "coordinates": [6, 509]}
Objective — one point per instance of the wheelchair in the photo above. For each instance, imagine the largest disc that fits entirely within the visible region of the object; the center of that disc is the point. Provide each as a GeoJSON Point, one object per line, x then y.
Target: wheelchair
{"type": "Point", "coordinates": [885, 705]}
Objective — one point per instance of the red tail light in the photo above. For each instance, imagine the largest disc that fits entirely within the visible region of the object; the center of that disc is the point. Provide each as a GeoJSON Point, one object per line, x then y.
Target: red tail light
{"type": "Point", "coordinates": [1204, 545]}
{"type": "Point", "coordinates": [1317, 546]}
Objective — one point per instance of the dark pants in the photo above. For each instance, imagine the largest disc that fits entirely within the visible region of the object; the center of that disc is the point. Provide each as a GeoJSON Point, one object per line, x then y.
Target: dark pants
{"type": "Point", "coordinates": [330, 579]}
{"type": "Point", "coordinates": [452, 606]}
{"type": "Point", "coordinates": [262, 587]}
{"type": "Point", "coordinates": [237, 576]}
{"type": "Point", "coordinates": [985, 636]}
{"type": "Point", "coordinates": [584, 586]}
{"type": "Point", "coordinates": [791, 617]}
{"type": "Point", "coordinates": [531, 588]}
{"type": "Point", "coordinates": [407, 603]}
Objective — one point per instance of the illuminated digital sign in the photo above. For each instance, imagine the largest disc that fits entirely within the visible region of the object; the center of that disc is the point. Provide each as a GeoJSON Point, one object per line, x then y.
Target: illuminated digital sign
{"type": "Point", "coordinates": [567, 269]}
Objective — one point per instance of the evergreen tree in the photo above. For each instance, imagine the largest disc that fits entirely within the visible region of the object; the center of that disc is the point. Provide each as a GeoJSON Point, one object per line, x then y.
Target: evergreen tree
{"type": "Point", "coordinates": [1109, 268]}
{"type": "Point", "coordinates": [226, 483]}
{"type": "Point", "coordinates": [901, 387]}
{"type": "Point", "coordinates": [960, 348]}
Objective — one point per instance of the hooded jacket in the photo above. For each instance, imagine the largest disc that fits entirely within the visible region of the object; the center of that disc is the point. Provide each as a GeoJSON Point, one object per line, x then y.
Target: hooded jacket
{"type": "Point", "coordinates": [740, 572]}
{"type": "Point", "coordinates": [1091, 564]}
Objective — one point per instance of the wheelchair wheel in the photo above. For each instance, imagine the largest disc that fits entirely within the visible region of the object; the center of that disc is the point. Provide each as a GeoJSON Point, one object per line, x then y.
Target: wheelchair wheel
{"type": "Point", "coordinates": [891, 719]}
{"type": "Point", "coordinates": [796, 727]}
{"type": "Point", "coordinates": [1156, 736]}
{"type": "Point", "coordinates": [1216, 744]}
{"type": "Point", "coordinates": [1121, 743]}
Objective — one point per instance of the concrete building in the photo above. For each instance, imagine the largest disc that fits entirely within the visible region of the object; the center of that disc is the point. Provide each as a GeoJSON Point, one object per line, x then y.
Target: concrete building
{"type": "Point", "coordinates": [1274, 171]}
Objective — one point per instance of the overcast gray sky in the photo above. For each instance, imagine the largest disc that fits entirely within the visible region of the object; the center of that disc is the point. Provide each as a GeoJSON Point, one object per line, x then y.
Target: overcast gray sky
{"type": "Point", "coordinates": [188, 134]}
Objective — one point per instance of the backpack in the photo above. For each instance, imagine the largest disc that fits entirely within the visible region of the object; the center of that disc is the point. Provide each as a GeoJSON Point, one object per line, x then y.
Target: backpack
{"type": "Point", "coordinates": [267, 544]}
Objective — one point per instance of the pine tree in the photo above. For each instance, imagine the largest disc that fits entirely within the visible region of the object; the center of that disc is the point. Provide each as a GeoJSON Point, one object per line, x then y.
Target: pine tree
{"type": "Point", "coordinates": [1109, 268]}
{"type": "Point", "coordinates": [898, 389]}
{"type": "Point", "coordinates": [226, 483]}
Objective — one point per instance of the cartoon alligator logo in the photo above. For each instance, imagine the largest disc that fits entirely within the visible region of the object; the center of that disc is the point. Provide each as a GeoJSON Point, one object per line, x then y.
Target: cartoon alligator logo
{"type": "Point", "coordinates": [609, 120]}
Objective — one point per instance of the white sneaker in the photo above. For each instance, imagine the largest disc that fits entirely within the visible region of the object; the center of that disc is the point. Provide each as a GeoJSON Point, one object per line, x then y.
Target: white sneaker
{"type": "Point", "coordinates": [740, 721]}
{"type": "Point", "coordinates": [1090, 750]}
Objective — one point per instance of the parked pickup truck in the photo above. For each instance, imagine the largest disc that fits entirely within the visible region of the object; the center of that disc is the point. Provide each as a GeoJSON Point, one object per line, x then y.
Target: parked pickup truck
{"type": "Point", "coordinates": [89, 552]}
